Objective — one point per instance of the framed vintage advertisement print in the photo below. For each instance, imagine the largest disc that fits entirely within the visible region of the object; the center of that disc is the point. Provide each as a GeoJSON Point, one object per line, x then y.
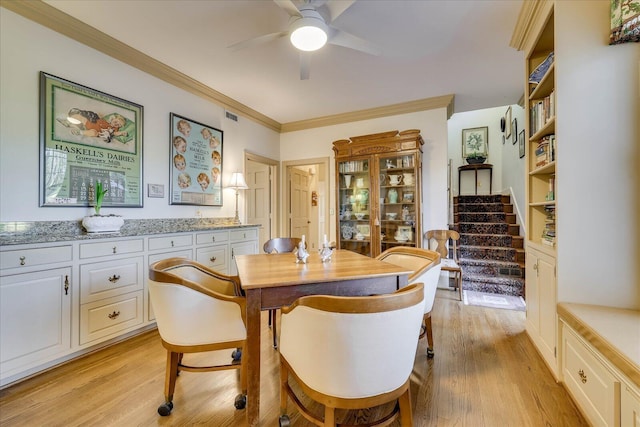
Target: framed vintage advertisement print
{"type": "Point", "coordinates": [196, 163]}
{"type": "Point", "coordinates": [475, 141]}
{"type": "Point", "coordinates": [88, 136]}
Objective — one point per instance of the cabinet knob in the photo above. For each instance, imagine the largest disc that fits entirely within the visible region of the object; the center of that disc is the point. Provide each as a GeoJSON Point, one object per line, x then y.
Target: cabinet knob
{"type": "Point", "coordinates": [114, 314]}
{"type": "Point", "coordinates": [66, 285]}
{"type": "Point", "coordinates": [582, 376]}
{"type": "Point", "coordinates": [115, 249]}
{"type": "Point", "coordinates": [213, 238]}
{"type": "Point", "coordinates": [22, 260]}
{"type": "Point", "coordinates": [114, 278]}
{"type": "Point", "coordinates": [212, 259]}
{"type": "Point", "coordinates": [172, 245]}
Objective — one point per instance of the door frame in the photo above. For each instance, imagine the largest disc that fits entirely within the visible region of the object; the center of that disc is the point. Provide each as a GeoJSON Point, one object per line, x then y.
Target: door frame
{"type": "Point", "coordinates": [274, 166]}
{"type": "Point", "coordinates": [286, 188]}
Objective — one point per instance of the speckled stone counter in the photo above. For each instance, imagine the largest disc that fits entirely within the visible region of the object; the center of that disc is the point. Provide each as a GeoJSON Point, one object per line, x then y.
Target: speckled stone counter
{"type": "Point", "coordinates": [614, 332]}
{"type": "Point", "coordinates": [17, 233]}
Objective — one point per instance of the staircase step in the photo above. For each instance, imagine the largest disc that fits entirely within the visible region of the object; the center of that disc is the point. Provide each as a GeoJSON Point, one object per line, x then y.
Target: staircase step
{"type": "Point", "coordinates": [493, 217]}
{"type": "Point", "coordinates": [484, 228]}
{"type": "Point", "coordinates": [488, 252]}
{"type": "Point", "coordinates": [479, 207]}
{"type": "Point", "coordinates": [495, 285]}
{"type": "Point", "coordinates": [472, 239]}
{"type": "Point", "coordinates": [493, 198]}
{"type": "Point", "coordinates": [472, 267]}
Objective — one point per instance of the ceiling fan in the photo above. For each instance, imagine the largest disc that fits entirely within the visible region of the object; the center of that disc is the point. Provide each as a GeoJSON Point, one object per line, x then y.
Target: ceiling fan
{"type": "Point", "coordinates": [309, 30]}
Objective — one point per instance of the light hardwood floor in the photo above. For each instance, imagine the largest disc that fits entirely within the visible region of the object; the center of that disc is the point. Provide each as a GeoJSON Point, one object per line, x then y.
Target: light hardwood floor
{"type": "Point", "coordinates": [485, 373]}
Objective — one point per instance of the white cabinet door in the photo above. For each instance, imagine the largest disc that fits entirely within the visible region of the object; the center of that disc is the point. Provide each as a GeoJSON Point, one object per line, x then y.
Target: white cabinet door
{"type": "Point", "coordinates": [630, 407]}
{"type": "Point", "coordinates": [35, 318]}
{"type": "Point", "coordinates": [241, 248]}
{"type": "Point", "coordinates": [541, 297]}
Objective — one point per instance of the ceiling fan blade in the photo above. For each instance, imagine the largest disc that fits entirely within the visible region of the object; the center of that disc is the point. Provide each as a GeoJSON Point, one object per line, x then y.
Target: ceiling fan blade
{"type": "Point", "coordinates": [257, 40]}
{"type": "Point", "coordinates": [289, 7]}
{"type": "Point", "coordinates": [344, 39]}
{"type": "Point", "coordinates": [305, 65]}
{"type": "Point", "coordinates": [336, 7]}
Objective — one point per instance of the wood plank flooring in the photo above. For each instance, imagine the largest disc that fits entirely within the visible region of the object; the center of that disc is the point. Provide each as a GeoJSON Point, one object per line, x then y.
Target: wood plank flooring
{"type": "Point", "coordinates": [485, 373]}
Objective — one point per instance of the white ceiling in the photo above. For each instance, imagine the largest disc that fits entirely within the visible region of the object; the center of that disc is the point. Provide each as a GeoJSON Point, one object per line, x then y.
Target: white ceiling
{"type": "Point", "coordinates": [429, 48]}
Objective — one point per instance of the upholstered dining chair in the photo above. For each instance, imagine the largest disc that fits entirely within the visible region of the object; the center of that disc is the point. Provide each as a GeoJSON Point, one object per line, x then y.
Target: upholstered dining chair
{"type": "Point", "coordinates": [197, 310]}
{"type": "Point", "coordinates": [278, 245]}
{"type": "Point", "coordinates": [338, 350]}
{"type": "Point", "coordinates": [440, 239]}
{"type": "Point", "coordinates": [426, 269]}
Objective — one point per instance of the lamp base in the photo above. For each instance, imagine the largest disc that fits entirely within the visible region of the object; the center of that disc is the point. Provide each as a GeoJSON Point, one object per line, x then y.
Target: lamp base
{"type": "Point", "coordinates": [236, 219]}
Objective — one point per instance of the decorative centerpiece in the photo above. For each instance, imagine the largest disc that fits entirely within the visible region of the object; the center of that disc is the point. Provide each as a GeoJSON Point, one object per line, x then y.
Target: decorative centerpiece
{"type": "Point", "coordinates": [326, 251]}
{"type": "Point", "coordinates": [301, 252]}
{"type": "Point", "coordinates": [98, 223]}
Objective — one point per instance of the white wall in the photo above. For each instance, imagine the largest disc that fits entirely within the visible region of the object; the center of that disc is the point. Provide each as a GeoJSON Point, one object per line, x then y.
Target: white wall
{"type": "Point", "coordinates": [598, 178]}
{"type": "Point", "coordinates": [27, 48]}
{"type": "Point", "coordinates": [433, 127]}
{"type": "Point", "coordinates": [508, 167]}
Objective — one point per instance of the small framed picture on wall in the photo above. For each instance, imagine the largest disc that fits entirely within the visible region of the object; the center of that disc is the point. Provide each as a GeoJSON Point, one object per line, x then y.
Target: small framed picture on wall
{"type": "Point", "coordinates": [521, 143]}
{"type": "Point", "coordinates": [514, 130]}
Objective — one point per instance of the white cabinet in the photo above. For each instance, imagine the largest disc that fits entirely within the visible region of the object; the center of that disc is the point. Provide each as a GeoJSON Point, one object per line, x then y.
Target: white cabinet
{"type": "Point", "coordinates": [60, 300]}
{"type": "Point", "coordinates": [594, 388]}
{"type": "Point", "coordinates": [35, 318]}
{"type": "Point", "coordinates": [629, 407]}
{"type": "Point", "coordinates": [541, 297]}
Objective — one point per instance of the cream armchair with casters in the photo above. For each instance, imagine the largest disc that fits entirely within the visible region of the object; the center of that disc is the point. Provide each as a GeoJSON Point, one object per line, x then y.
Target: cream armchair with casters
{"type": "Point", "coordinates": [426, 269]}
{"type": "Point", "coordinates": [338, 350]}
{"type": "Point", "coordinates": [197, 310]}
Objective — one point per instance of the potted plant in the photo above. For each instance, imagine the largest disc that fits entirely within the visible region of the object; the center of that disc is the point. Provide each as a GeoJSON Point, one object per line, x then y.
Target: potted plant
{"type": "Point", "coordinates": [475, 158]}
{"type": "Point", "coordinates": [98, 223]}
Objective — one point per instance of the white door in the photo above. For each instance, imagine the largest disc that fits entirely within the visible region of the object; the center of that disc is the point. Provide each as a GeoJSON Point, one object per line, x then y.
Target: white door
{"type": "Point", "coordinates": [300, 202]}
{"type": "Point", "coordinates": [258, 198]}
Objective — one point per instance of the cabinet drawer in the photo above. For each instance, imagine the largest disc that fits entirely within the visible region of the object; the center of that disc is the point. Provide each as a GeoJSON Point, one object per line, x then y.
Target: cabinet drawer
{"type": "Point", "coordinates": [212, 237]}
{"type": "Point", "coordinates": [244, 234]}
{"type": "Point", "coordinates": [214, 257]}
{"type": "Point", "coordinates": [110, 278]}
{"type": "Point", "coordinates": [90, 250]}
{"type": "Point", "coordinates": [187, 253]}
{"type": "Point", "coordinates": [156, 243]}
{"type": "Point", "coordinates": [36, 256]}
{"type": "Point", "coordinates": [106, 317]}
{"type": "Point", "coordinates": [591, 384]}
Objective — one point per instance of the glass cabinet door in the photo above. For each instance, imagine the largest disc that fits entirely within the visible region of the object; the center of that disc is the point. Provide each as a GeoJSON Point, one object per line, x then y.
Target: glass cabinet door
{"type": "Point", "coordinates": [354, 186]}
{"type": "Point", "coordinates": [398, 198]}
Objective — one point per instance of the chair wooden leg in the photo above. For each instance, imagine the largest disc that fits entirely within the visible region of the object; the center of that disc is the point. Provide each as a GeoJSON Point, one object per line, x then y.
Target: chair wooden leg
{"type": "Point", "coordinates": [429, 332]}
{"type": "Point", "coordinates": [171, 375]}
{"type": "Point", "coordinates": [274, 329]}
{"type": "Point", "coordinates": [284, 381]}
{"type": "Point", "coordinates": [406, 417]}
{"type": "Point", "coordinates": [330, 416]}
{"type": "Point", "coordinates": [459, 282]}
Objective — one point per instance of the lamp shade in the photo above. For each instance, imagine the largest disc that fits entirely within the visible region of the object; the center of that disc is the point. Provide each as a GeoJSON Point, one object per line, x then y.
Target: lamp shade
{"type": "Point", "coordinates": [308, 33]}
{"type": "Point", "coordinates": [237, 181]}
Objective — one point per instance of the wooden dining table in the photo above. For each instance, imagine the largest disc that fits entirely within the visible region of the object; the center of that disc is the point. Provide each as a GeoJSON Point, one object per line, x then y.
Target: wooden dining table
{"type": "Point", "coordinates": [272, 281]}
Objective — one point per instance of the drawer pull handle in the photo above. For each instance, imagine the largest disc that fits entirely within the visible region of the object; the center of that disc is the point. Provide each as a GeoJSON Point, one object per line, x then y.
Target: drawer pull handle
{"type": "Point", "coordinates": [114, 278]}
{"type": "Point", "coordinates": [212, 259]}
{"type": "Point", "coordinates": [213, 238]}
{"type": "Point", "coordinates": [583, 377]}
{"type": "Point", "coordinates": [66, 285]}
{"type": "Point", "coordinates": [114, 249]}
{"type": "Point", "coordinates": [172, 245]}
{"type": "Point", "coordinates": [22, 259]}
{"type": "Point", "coordinates": [114, 314]}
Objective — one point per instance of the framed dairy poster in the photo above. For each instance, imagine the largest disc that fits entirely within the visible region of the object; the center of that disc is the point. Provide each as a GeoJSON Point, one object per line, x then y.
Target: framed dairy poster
{"type": "Point", "coordinates": [196, 163]}
{"type": "Point", "coordinates": [88, 136]}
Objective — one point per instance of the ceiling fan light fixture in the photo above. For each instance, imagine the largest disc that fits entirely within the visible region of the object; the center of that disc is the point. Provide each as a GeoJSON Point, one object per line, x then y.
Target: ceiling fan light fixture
{"type": "Point", "coordinates": [309, 33]}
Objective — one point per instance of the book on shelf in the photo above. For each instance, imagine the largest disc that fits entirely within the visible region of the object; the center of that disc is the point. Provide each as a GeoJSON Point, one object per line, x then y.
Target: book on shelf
{"type": "Point", "coordinates": [541, 111]}
{"type": "Point", "coordinates": [536, 75]}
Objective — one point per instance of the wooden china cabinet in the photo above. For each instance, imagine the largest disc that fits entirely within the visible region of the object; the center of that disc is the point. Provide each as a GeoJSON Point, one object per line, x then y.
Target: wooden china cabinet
{"type": "Point", "coordinates": [378, 186]}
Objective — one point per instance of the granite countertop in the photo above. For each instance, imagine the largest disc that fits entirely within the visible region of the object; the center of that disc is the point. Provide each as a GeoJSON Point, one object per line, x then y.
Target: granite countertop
{"type": "Point", "coordinates": [614, 332]}
{"type": "Point", "coordinates": [18, 233]}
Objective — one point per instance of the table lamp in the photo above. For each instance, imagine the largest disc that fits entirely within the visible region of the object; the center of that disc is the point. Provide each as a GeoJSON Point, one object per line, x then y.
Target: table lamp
{"type": "Point", "coordinates": [237, 182]}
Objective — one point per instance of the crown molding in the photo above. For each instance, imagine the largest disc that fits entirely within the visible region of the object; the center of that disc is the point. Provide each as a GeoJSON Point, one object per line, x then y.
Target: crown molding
{"type": "Point", "coordinates": [60, 22]}
{"type": "Point", "coordinates": [445, 101]}
{"type": "Point", "coordinates": [533, 14]}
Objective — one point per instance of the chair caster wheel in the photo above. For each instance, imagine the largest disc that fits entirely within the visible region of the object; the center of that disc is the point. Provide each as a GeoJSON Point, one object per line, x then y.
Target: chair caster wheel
{"type": "Point", "coordinates": [284, 421]}
{"type": "Point", "coordinates": [165, 409]}
{"type": "Point", "coordinates": [430, 353]}
{"type": "Point", "coordinates": [237, 355]}
{"type": "Point", "coordinates": [241, 401]}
